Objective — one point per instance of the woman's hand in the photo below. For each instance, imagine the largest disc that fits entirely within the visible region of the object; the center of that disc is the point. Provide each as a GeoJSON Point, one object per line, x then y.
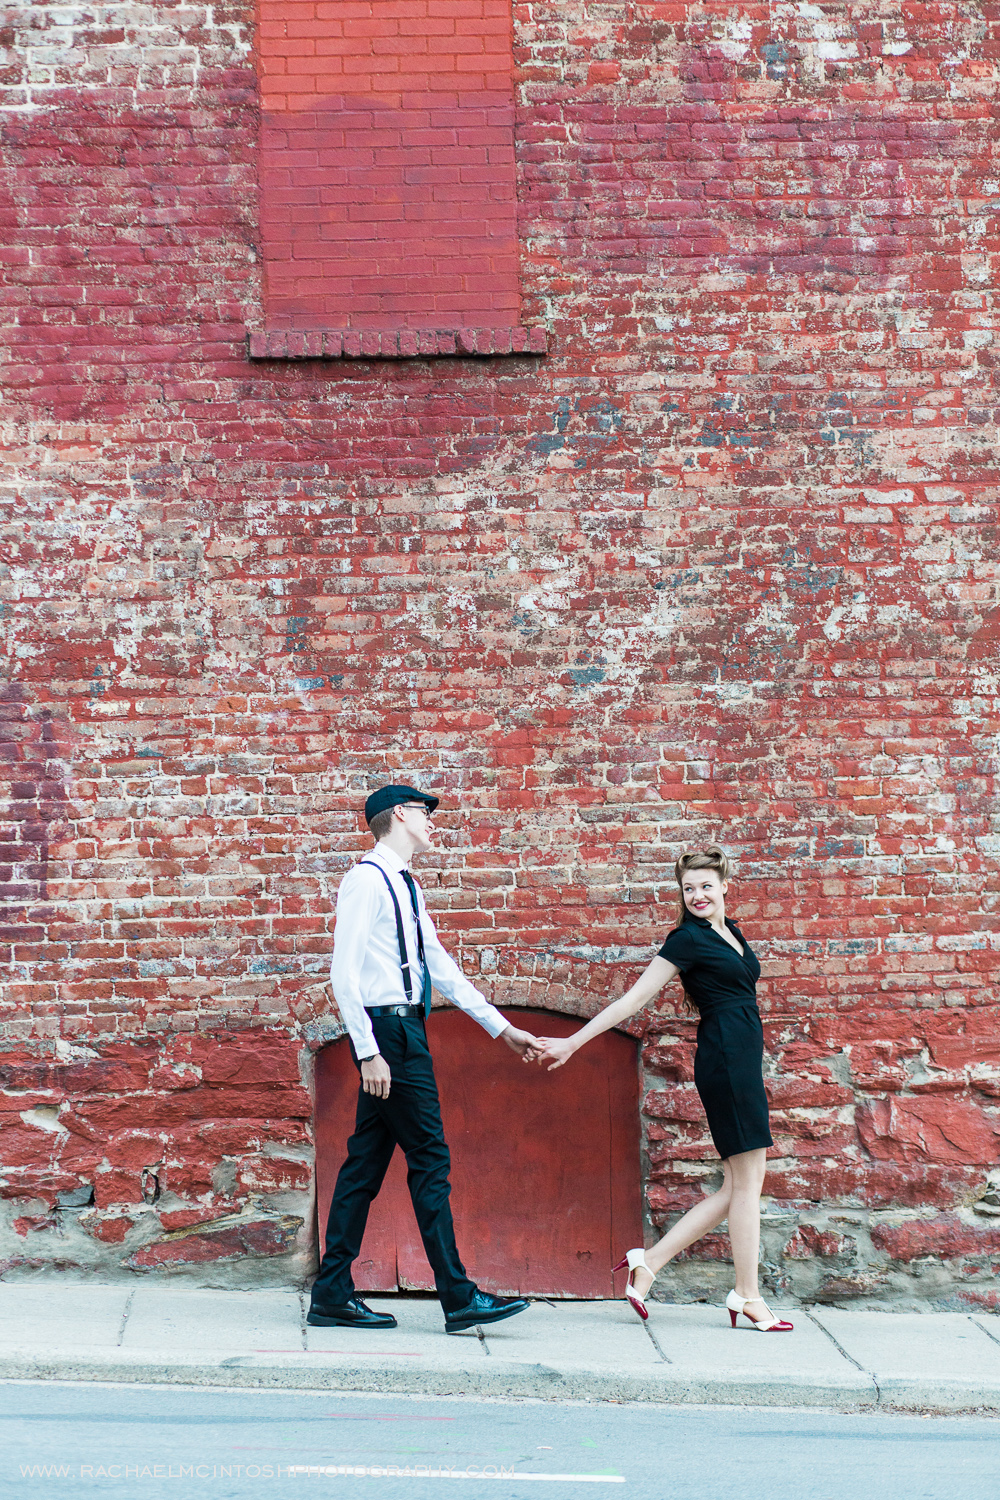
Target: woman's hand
{"type": "Point", "coordinates": [554, 1050]}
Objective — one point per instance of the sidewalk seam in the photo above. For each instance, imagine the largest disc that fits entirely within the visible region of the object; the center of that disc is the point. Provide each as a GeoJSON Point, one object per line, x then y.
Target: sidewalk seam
{"type": "Point", "coordinates": [984, 1330]}
{"type": "Point", "coordinates": [126, 1311]}
{"type": "Point", "coordinates": [656, 1344]}
{"type": "Point", "coordinates": [849, 1357]}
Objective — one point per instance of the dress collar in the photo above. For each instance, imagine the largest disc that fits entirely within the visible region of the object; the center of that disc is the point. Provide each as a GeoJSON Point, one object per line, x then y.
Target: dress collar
{"type": "Point", "coordinates": [704, 922]}
{"type": "Point", "coordinates": [389, 858]}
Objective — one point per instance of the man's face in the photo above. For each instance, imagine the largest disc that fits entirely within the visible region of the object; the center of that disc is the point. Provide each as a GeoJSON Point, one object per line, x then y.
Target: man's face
{"type": "Point", "coordinates": [418, 824]}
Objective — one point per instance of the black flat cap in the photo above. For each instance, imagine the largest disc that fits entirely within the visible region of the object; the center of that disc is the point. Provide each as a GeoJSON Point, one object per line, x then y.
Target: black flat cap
{"type": "Point", "coordinates": [392, 796]}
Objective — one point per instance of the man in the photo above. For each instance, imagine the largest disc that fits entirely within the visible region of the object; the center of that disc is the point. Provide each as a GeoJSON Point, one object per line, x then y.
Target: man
{"type": "Point", "coordinates": [386, 955]}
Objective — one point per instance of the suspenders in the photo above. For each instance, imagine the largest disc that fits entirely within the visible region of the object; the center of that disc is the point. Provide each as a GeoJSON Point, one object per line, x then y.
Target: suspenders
{"type": "Point", "coordinates": [404, 963]}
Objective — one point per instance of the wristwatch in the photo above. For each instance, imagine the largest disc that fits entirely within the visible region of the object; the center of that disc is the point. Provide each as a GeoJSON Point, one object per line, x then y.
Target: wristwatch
{"type": "Point", "coordinates": [369, 1058]}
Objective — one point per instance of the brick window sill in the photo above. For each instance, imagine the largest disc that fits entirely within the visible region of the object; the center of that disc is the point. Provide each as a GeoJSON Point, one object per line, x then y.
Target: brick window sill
{"type": "Point", "coordinates": [397, 343]}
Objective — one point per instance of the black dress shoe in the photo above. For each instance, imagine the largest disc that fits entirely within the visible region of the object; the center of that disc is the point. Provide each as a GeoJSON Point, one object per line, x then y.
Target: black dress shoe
{"type": "Point", "coordinates": [483, 1309]}
{"type": "Point", "coordinates": [353, 1314]}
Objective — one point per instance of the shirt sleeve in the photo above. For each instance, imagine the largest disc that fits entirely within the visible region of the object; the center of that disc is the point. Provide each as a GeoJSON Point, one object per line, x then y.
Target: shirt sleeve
{"type": "Point", "coordinates": [447, 977]}
{"type": "Point", "coordinates": [679, 949]}
{"type": "Point", "coordinates": [357, 907]}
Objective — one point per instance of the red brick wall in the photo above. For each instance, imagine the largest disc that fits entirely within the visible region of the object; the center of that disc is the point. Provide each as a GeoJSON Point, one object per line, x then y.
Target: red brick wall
{"type": "Point", "coordinates": [387, 195]}
{"type": "Point", "coordinates": [721, 565]}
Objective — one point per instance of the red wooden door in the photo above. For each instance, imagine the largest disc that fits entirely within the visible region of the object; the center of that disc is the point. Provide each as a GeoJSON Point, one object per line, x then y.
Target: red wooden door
{"type": "Point", "coordinates": [545, 1166]}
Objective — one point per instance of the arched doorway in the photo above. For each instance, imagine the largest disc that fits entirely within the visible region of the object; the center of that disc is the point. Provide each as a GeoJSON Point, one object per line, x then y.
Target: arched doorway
{"type": "Point", "coordinates": [546, 1187]}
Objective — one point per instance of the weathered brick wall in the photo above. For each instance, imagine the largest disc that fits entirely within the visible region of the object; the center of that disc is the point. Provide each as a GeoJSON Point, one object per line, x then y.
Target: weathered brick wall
{"type": "Point", "coordinates": [722, 564]}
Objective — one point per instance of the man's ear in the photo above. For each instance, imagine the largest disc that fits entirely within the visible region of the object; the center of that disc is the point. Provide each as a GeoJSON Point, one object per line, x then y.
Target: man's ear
{"type": "Point", "coordinates": [398, 810]}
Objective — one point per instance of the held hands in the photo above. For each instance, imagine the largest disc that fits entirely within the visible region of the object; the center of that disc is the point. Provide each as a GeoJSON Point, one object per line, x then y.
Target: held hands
{"type": "Point", "coordinates": [520, 1041]}
{"type": "Point", "coordinates": [375, 1076]}
{"type": "Point", "coordinates": [553, 1050]}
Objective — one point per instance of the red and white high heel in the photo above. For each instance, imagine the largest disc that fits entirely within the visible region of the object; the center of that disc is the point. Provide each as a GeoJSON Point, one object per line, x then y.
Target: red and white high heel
{"type": "Point", "coordinates": [770, 1324]}
{"type": "Point", "coordinates": [636, 1261]}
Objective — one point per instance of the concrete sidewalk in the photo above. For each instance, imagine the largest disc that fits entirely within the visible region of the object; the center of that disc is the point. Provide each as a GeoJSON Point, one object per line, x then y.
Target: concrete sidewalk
{"type": "Point", "coordinates": [595, 1351]}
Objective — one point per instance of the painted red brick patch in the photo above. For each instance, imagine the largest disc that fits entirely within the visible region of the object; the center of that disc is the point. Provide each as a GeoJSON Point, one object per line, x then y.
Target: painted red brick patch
{"type": "Point", "coordinates": [387, 193]}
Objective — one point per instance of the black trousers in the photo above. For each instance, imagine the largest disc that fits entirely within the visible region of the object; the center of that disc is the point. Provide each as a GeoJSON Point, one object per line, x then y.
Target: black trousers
{"type": "Point", "coordinates": [410, 1118]}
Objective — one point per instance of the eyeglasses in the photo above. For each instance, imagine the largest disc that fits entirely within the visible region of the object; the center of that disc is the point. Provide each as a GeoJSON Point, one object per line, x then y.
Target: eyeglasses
{"type": "Point", "coordinates": [419, 807]}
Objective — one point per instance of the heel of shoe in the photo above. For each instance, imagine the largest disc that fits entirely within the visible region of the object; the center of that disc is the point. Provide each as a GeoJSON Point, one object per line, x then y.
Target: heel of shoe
{"type": "Point", "coordinates": [635, 1260]}
{"type": "Point", "coordinates": [736, 1305]}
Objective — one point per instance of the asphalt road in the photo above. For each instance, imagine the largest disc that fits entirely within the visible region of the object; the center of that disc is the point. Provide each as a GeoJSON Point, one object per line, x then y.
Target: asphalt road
{"type": "Point", "coordinates": [211, 1444]}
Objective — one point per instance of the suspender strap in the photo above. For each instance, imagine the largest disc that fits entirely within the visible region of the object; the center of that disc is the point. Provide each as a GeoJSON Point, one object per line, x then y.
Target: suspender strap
{"type": "Point", "coordinates": [404, 962]}
{"type": "Point", "coordinates": [411, 886]}
{"type": "Point", "coordinates": [425, 997]}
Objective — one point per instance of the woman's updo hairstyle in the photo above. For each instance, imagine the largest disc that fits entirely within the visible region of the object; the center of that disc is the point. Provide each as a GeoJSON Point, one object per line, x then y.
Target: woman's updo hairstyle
{"type": "Point", "coordinates": [712, 858]}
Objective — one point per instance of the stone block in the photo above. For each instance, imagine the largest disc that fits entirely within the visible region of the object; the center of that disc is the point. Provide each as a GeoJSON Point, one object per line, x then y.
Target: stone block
{"type": "Point", "coordinates": [238, 1237]}
{"type": "Point", "coordinates": [945, 1237]}
{"type": "Point", "coordinates": [944, 1130]}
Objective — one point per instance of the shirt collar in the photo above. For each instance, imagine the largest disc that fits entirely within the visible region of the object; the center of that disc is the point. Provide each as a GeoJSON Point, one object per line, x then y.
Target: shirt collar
{"type": "Point", "coordinates": [390, 858]}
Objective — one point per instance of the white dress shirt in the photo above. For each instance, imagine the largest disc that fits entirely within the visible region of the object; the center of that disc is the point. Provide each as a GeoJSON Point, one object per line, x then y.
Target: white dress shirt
{"type": "Point", "coordinates": [366, 970]}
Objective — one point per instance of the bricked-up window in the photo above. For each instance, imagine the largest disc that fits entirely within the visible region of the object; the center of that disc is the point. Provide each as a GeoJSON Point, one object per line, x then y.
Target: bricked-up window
{"type": "Point", "coordinates": [388, 200]}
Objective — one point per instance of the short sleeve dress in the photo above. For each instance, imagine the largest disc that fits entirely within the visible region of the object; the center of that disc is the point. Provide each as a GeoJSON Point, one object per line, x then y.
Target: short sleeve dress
{"type": "Point", "coordinates": [728, 1062]}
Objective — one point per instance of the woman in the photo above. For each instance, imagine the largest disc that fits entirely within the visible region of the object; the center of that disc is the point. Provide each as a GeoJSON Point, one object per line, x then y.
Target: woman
{"type": "Point", "coordinates": [719, 972]}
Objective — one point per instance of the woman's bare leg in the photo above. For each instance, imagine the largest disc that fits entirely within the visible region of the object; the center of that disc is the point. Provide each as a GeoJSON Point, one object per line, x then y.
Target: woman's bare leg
{"type": "Point", "coordinates": [744, 1224]}
{"type": "Point", "coordinates": [738, 1200]}
{"type": "Point", "coordinates": [699, 1220]}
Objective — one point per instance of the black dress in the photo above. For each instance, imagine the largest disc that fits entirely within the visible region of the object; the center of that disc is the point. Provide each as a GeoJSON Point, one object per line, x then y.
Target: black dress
{"type": "Point", "coordinates": [727, 1064]}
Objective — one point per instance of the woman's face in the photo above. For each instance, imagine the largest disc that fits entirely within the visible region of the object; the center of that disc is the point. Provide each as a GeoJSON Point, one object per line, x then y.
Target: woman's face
{"type": "Point", "coordinates": [705, 894]}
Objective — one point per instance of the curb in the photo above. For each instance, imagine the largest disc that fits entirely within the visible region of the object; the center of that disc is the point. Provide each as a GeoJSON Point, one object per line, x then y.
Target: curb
{"type": "Point", "coordinates": [950, 1397]}
{"type": "Point", "coordinates": [855, 1391]}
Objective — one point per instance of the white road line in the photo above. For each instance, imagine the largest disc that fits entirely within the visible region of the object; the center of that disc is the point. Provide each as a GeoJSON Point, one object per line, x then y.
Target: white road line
{"type": "Point", "coordinates": [401, 1471]}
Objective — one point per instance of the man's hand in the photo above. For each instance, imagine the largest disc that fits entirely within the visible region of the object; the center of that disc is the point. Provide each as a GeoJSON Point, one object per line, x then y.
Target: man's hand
{"type": "Point", "coordinates": [521, 1042]}
{"type": "Point", "coordinates": [375, 1077]}
{"type": "Point", "coordinates": [554, 1050]}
